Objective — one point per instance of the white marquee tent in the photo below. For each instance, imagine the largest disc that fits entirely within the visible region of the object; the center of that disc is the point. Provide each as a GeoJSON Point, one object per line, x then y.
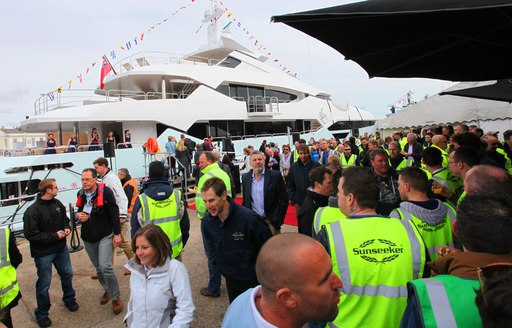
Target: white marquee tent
{"type": "Point", "coordinates": [436, 110]}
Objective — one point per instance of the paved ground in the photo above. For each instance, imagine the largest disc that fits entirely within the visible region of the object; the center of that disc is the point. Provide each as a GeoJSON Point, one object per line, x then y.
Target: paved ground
{"type": "Point", "coordinates": [209, 311]}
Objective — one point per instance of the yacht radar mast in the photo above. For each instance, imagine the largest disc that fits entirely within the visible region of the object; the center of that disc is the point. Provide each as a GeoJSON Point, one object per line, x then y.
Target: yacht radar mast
{"type": "Point", "coordinates": [212, 17]}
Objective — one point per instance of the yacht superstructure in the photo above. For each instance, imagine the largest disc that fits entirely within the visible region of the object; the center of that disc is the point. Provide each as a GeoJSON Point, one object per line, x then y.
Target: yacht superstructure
{"type": "Point", "coordinates": [221, 90]}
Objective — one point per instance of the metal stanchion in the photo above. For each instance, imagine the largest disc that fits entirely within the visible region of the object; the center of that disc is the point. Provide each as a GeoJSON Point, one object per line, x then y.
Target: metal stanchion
{"type": "Point", "coordinates": [75, 245]}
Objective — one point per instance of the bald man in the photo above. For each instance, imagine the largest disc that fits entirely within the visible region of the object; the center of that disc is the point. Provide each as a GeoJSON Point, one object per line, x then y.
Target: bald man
{"type": "Point", "coordinates": [297, 286]}
{"type": "Point", "coordinates": [440, 142]}
{"type": "Point", "coordinates": [487, 178]}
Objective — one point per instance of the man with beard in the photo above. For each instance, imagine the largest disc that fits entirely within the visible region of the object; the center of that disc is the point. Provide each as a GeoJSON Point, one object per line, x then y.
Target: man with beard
{"type": "Point", "coordinates": [265, 193]}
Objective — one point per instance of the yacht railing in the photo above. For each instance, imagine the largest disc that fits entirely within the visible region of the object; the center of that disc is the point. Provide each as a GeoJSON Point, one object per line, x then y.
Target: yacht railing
{"type": "Point", "coordinates": [152, 58]}
{"type": "Point", "coordinates": [261, 104]}
{"type": "Point", "coordinates": [68, 98]}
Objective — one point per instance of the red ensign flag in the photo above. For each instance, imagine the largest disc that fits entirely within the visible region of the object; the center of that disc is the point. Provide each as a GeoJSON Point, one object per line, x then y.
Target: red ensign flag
{"type": "Point", "coordinates": [105, 69]}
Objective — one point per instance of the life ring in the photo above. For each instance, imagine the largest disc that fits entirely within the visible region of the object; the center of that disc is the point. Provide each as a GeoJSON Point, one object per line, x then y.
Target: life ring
{"type": "Point", "coordinates": [152, 146]}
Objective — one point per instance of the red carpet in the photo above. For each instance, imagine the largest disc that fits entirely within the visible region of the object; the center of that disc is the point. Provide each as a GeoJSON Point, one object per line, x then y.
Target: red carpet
{"type": "Point", "coordinates": [289, 219]}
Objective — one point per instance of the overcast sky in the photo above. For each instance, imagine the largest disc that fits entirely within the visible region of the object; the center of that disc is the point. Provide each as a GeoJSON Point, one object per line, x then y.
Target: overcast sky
{"type": "Point", "coordinates": [46, 43]}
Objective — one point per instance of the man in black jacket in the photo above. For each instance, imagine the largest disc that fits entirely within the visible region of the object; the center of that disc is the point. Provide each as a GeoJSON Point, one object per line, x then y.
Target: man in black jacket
{"type": "Point", "coordinates": [235, 235]}
{"type": "Point", "coordinates": [99, 214]}
{"type": "Point", "coordinates": [46, 225]}
{"type": "Point", "coordinates": [298, 178]}
{"type": "Point", "coordinates": [317, 196]}
{"type": "Point", "coordinates": [264, 191]}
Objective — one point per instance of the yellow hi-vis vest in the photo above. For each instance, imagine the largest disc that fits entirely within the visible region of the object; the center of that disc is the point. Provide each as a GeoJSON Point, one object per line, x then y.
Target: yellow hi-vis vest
{"type": "Point", "coordinates": [212, 170]}
{"type": "Point", "coordinates": [446, 178]}
{"type": "Point", "coordinates": [324, 216]}
{"type": "Point", "coordinates": [434, 237]}
{"type": "Point", "coordinates": [295, 157]}
{"type": "Point", "coordinates": [9, 287]}
{"type": "Point", "coordinates": [351, 161]}
{"type": "Point", "coordinates": [446, 156]}
{"type": "Point", "coordinates": [165, 214]}
{"type": "Point", "coordinates": [375, 257]}
{"type": "Point", "coordinates": [508, 162]}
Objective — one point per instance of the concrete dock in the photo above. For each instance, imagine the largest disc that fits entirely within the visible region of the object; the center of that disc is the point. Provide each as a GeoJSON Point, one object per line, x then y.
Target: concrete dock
{"type": "Point", "coordinates": [209, 311]}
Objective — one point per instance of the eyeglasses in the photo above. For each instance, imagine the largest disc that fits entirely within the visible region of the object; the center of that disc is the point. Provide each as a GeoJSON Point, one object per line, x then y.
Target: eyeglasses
{"type": "Point", "coordinates": [489, 270]}
{"type": "Point", "coordinates": [348, 149]}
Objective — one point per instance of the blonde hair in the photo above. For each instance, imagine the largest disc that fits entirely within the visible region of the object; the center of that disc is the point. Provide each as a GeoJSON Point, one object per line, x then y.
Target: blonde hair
{"type": "Point", "coordinates": [181, 146]}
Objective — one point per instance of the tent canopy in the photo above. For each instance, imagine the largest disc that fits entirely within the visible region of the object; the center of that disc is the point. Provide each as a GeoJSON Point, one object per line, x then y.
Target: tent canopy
{"type": "Point", "coordinates": [448, 109]}
{"type": "Point", "coordinates": [456, 40]}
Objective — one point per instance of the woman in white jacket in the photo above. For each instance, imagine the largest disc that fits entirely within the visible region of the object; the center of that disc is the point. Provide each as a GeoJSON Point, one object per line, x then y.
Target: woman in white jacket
{"type": "Point", "coordinates": [160, 293]}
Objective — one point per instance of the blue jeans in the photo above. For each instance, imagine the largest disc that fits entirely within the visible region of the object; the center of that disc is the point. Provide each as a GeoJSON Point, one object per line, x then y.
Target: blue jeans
{"type": "Point", "coordinates": [215, 277]}
{"type": "Point", "coordinates": [62, 263]}
{"type": "Point", "coordinates": [100, 254]}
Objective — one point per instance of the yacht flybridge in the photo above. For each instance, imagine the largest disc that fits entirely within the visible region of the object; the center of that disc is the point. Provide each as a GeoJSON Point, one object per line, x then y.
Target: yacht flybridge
{"type": "Point", "coordinates": [221, 90]}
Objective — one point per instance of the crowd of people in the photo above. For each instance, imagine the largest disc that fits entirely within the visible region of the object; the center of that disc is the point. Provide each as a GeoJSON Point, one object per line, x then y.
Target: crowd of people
{"type": "Point", "coordinates": [410, 230]}
{"type": "Point", "coordinates": [94, 142]}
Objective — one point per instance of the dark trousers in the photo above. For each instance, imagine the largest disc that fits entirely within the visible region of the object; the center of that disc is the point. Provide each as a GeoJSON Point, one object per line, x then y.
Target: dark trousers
{"type": "Point", "coordinates": [236, 287]}
{"type": "Point", "coordinates": [213, 270]}
{"type": "Point", "coordinates": [62, 264]}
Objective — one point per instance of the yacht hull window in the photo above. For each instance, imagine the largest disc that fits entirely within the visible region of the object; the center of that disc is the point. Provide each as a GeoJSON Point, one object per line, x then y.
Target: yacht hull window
{"type": "Point", "coordinates": [350, 125]}
{"type": "Point", "coordinates": [239, 128]}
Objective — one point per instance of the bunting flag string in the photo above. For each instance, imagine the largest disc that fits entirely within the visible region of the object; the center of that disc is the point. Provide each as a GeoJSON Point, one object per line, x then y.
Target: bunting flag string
{"type": "Point", "coordinates": [256, 43]}
{"type": "Point", "coordinates": [137, 40]}
{"type": "Point", "coordinates": [124, 46]}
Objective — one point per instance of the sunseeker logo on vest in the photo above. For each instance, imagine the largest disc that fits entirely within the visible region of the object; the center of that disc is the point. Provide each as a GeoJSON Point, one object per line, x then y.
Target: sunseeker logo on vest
{"type": "Point", "coordinates": [428, 228]}
{"type": "Point", "coordinates": [378, 251]}
{"type": "Point", "coordinates": [162, 203]}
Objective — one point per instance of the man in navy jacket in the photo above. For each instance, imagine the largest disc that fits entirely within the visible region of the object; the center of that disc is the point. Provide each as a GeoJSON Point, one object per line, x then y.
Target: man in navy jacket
{"type": "Point", "coordinates": [235, 235]}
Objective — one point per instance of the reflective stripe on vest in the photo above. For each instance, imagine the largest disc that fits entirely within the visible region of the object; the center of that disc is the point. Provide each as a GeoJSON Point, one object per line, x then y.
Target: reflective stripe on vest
{"type": "Point", "coordinates": [325, 215]}
{"type": "Point", "coordinates": [446, 301]}
{"type": "Point", "coordinates": [147, 215]}
{"type": "Point", "coordinates": [440, 304]}
{"type": "Point", "coordinates": [433, 246]}
{"type": "Point", "coordinates": [373, 283]}
{"type": "Point", "coordinates": [4, 245]}
{"type": "Point", "coordinates": [9, 287]}
{"type": "Point", "coordinates": [169, 223]}
{"type": "Point", "coordinates": [316, 220]}
{"type": "Point", "coordinates": [381, 290]}
{"type": "Point", "coordinates": [351, 161]}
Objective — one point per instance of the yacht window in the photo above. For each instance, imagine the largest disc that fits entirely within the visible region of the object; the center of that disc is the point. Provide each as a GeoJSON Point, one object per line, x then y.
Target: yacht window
{"type": "Point", "coordinates": [224, 89]}
{"type": "Point", "coordinates": [230, 62]}
{"type": "Point", "coordinates": [236, 128]}
{"type": "Point", "coordinates": [242, 92]}
{"type": "Point", "coordinates": [198, 130]}
{"type": "Point", "coordinates": [219, 128]}
{"type": "Point", "coordinates": [10, 190]}
{"type": "Point", "coordinates": [281, 96]}
{"type": "Point", "coordinates": [344, 125]}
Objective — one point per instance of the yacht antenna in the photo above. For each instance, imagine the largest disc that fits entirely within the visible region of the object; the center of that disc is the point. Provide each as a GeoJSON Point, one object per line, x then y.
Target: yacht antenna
{"type": "Point", "coordinates": [212, 17]}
